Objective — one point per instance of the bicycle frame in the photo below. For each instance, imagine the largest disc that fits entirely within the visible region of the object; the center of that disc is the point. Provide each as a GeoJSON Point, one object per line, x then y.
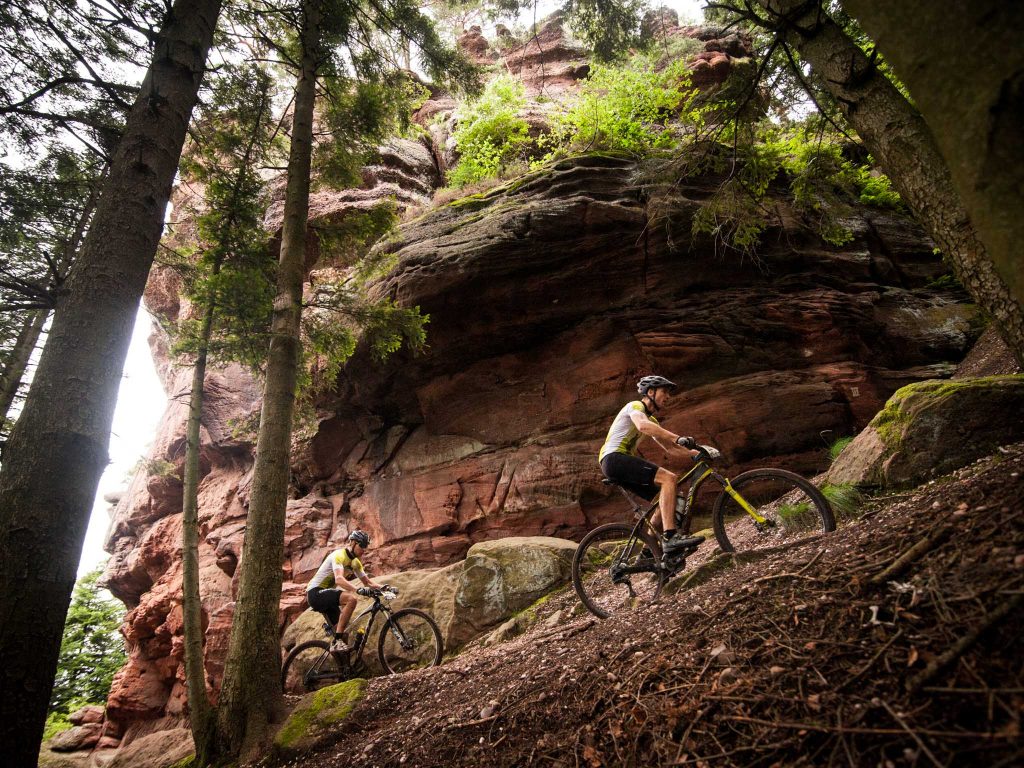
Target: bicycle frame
{"type": "Point", "coordinates": [697, 476]}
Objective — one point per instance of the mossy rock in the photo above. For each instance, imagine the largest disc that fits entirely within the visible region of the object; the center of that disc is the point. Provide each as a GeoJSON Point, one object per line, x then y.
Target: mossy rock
{"type": "Point", "coordinates": [316, 715]}
{"type": "Point", "coordinates": [502, 577]}
{"type": "Point", "coordinates": [931, 428]}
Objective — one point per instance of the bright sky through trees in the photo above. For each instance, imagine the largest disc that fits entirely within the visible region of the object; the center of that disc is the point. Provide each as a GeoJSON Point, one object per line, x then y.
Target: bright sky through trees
{"type": "Point", "coordinates": [140, 404]}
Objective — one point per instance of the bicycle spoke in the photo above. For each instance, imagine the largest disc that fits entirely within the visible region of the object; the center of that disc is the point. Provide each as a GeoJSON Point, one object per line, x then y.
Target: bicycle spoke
{"type": "Point", "coordinates": [791, 507]}
{"type": "Point", "coordinates": [310, 667]}
{"type": "Point", "coordinates": [409, 640]}
{"type": "Point", "coordinates": [613, 572]}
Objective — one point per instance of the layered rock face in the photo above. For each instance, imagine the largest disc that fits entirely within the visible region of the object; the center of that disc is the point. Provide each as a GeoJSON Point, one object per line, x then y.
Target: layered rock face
{"type": "Point", "coordinates": [548, 298]}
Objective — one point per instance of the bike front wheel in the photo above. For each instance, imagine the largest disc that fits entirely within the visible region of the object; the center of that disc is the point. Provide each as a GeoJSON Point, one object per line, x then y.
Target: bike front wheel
{"type": "Point", "coordinates": [409, 640]}
{"type": "Point", "coordinates": [614, 571]}
{"type": "Point", "coordinates": [309, 667]}
{"type": "Point", "coordinates": [792, 507]}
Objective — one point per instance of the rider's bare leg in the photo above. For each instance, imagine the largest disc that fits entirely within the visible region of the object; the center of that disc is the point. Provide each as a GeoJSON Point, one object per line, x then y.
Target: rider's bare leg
{"type": "Point", "coordinates": [347, 603]}
{"type": "Point", "coordinates": [669, 482]}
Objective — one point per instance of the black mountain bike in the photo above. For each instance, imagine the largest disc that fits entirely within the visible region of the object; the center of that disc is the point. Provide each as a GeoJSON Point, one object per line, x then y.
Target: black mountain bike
{"type": "Point", "coordinates": [409, 639]}
{"type": "Point", "coordinates": [619, 565]}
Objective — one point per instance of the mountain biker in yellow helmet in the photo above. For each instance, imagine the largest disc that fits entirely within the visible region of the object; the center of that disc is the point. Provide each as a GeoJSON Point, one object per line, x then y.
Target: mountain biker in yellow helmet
{"type": "Point", "coordinates": [621, 465]}
{"type": "Point", "coordinates": [331, 593]}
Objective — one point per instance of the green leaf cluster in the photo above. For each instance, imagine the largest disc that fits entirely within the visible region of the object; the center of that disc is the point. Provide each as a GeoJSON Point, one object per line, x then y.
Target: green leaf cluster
{"type": "Point", "coordinates": [230, 266]}
{"type": "Point", "coordinates": [759, 160]}
{"type": "Point", "coordinates": [341, 313]}
{"type": "Point", "coordinates": [91, 651]}
{"type": "Point", "coordinates": [490, 135]}
{"type": "Point", "coordinates": [634, 108]}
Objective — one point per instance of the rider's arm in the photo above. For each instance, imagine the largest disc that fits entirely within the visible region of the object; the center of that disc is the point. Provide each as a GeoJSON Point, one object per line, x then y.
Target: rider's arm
{"type": "Point", "coordinates": [367, 581]}
{"type": "Point", "coordinates": [340, 581]}
{"type": "Point", "coordinates": [649, 428]}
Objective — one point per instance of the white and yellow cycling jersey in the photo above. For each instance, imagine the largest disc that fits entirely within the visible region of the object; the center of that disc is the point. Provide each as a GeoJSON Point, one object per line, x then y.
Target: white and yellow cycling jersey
{"type": "Point", "coordinates": [324, 577]}
{"type": "Point", "coordinates": [623, 435]}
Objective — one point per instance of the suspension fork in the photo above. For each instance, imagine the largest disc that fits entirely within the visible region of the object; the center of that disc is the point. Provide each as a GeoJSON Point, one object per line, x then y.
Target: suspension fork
{"type": "Point", "coordinates": [727, 485]}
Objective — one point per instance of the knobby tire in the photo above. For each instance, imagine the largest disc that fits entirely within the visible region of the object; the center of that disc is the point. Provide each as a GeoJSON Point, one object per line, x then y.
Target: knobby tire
{"type": "Point", "coordinates": [331, 667]}
{"type": "Point", "coordinates": [417, 626]}
{"type": "Point", "coordinates": [591, 576]}
{"type": "Point", "coordinates": [792, 505]}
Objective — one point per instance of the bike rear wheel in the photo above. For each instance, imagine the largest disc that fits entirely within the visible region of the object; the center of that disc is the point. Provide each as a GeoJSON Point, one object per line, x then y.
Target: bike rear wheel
{"type": "Point", "coordinates": [612, 572]}
{"type": "Point", "coordinates": [791, 505]}
{"type": "Point", "coordinates": [310, 666]}
{"type": "Point", "coordinates": [409, 640]}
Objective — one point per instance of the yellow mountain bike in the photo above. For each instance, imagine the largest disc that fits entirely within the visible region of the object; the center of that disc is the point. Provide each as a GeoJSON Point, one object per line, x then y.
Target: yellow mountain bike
{"type": "Point", "coordinates": [619, 565]}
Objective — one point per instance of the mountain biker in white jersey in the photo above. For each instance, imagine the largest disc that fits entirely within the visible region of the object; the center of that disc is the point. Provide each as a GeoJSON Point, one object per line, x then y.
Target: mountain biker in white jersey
{"type": "Point", "coordinates": [331, 593]}
{"type": "Point", "coordinates": [622, 466]}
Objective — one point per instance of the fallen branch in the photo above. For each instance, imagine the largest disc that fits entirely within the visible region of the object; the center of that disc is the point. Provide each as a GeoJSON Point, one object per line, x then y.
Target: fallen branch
{"type": "Point", "coordinates": [784, 576]}
{"type": "Point", "coordinates": [901, 563]}
{"type": "Point", "coordinates": [942, 661]}
{"type": "Point", "coordinates": [870, 731]}
{"type": "Point", "coordinates": [564, 632]}
{"type": "Point", "coordinates": [914, 736]}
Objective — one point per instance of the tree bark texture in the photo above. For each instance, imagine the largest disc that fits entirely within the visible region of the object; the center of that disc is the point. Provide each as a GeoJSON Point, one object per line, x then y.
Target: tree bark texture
{"type": "Point", "coordinates": [896, 135]}
{"type": "Point", "coordinates": [192, 607]}
{"type": "Point", "coordinates": [17, 364]}
{"type": "Point", "coordinates": [58, 448]}
{"type": "Point", "coordinates": [250, 696]}
{"type": "Point", "coordinates": [963, 61]}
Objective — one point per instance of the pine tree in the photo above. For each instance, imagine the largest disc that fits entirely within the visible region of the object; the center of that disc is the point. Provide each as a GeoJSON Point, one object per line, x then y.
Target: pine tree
{"type": "Point", "coordinates": [92, 648]}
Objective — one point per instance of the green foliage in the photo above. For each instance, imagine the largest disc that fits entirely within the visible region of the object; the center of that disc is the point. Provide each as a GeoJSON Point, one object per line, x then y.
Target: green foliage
{"type": "Point", "coordinates": [159, 468]}
{"type": "Point", "coordinates": [91, 651]}
{"type": "Point", "coordinates": [844, 498]}
{"type": "Point", "coordinates": [490, 135]}
{"type": "Point", "coordinates": [231, 268]}
{"type": "Point", "coordinates": [57, 722]}
{"type": "Point", "coordinates": [69, 70]}
{"type": "Point", "coordinates": [760, 160]}
{"type": "Point", "coordinates": [837, 447]}
{"type": "Point", "coordinates": [634, 108]}
{"type": "Point", "coordinates": [608, 27]}
{"type": "Point", "coordinates": [340, 313]}
{"type": "Point", "coordinates": [360, 116]}
{"type": "Point", "coordinates": [44, 208]}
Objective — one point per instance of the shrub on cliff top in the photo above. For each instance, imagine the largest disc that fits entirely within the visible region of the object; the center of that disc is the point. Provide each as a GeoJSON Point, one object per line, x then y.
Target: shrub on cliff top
{"type": "Point", "coordinates": [490, 135]}
{"type": "Point", "coordinates": [632, 108]}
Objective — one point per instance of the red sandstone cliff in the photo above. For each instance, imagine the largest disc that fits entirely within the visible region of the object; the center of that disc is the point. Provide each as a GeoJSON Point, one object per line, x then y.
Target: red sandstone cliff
{"type": "Point", "coordinates": [547, 298]}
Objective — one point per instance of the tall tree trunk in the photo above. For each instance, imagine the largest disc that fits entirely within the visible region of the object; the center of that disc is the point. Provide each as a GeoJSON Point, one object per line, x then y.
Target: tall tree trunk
{"type": "Point", "coordinates": [972, 96]}
{"type": "Point", "coordinates": [896, 135]}
{"type": "Point", "coordinates": [200, 711]}
{"type": "Point", "coordinates": [192, 606]}
{"type": "Point", "coordinates": [14, 371]}
{"type": "Point", "coordinates": [28, 338]}
{"type": "Point", "coordinates": [250, 696]}
{"type": "Point", "coordinates": [58, 448]}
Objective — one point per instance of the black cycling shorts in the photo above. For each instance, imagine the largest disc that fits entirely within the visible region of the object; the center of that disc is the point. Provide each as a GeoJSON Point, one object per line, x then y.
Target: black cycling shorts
{"type": "Point", "coordinates": [325, 601]}
{"type": "Point", "coordinates": [632, 473]}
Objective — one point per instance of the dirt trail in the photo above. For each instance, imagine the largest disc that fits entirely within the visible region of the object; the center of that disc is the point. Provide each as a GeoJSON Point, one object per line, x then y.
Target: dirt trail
{"type": "Point", "coordinates": [894, 642]}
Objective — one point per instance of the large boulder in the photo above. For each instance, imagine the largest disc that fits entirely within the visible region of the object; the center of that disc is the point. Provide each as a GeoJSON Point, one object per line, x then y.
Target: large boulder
{"type": "Point", "coordinates": [76, 738]}
{"type": "Point", "coordinates": [161, 749]}
{"type": "Point", "coordinates": [500, 578]}
{"type": "Point", "coordinates": [931, 428]}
